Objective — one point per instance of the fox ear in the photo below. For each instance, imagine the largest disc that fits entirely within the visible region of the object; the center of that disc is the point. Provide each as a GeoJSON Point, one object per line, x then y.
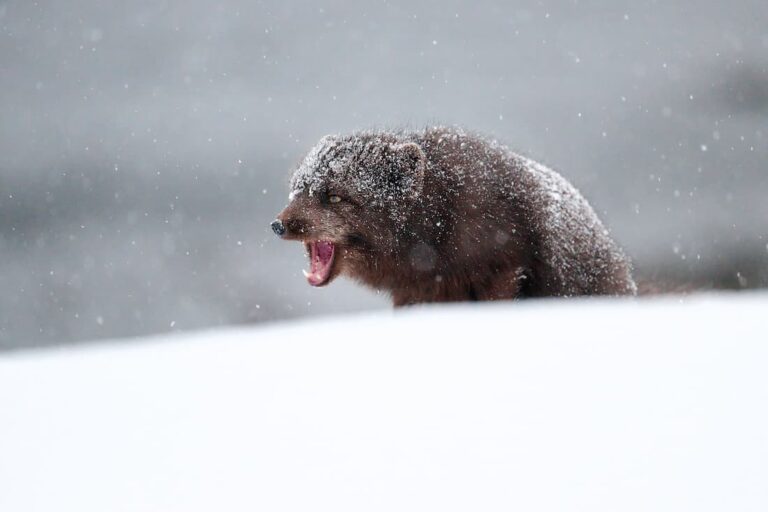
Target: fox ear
{"type": "Point", "coordinates": [411, 163]}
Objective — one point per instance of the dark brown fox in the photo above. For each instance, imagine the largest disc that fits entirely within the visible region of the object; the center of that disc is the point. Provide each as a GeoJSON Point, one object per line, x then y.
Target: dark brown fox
{"type": "Point", "coordinates": [443, 215]}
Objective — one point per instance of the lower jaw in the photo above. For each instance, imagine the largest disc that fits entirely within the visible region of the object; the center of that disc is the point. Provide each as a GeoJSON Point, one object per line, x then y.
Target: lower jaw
{"type": "Point", "coordinates": [322, 280]}
{"type": "Point", "coordinates": [318, 281]}
{"type": "Point", "coordinates": [319, 284]}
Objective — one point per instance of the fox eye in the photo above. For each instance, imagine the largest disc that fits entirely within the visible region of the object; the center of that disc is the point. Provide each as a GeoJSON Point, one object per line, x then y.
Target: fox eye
{"type": "Point", "coordinates": [332, 198]}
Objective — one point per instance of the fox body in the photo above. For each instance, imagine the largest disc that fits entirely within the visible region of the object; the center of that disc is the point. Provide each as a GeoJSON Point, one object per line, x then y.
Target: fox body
{"type": "Point", "coordinates": [444, 215]}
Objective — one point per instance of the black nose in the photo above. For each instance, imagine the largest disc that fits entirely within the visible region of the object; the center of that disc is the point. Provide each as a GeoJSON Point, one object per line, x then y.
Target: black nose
{"type": "Point", "coordinates": [278, 228]}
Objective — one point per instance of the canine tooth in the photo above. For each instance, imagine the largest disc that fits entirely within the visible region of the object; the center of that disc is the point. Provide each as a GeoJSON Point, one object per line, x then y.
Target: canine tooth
{"type": "Point", "coordinates": [306, 274]}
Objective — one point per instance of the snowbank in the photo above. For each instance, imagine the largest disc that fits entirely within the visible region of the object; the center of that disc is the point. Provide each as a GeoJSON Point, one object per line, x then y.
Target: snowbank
{"type": "Point", "coordinates": [581, 405]}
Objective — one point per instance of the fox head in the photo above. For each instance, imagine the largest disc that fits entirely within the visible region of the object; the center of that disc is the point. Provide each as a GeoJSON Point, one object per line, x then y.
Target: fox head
{"type": "Point", "coordinates": [350, 201]}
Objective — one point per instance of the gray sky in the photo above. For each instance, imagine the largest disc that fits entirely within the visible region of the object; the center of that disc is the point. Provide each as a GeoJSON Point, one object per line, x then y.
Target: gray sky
{"type": "Point", "coordinates": [145, 146]}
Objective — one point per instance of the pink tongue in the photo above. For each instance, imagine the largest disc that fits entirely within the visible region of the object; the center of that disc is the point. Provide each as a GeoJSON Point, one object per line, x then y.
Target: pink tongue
{"type": "Point", "coordinates": [321, 258]}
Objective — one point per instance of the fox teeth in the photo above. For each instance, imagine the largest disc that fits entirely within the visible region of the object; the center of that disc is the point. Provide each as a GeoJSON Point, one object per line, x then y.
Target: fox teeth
{"type": "Point", "coordinates": [306, 274]}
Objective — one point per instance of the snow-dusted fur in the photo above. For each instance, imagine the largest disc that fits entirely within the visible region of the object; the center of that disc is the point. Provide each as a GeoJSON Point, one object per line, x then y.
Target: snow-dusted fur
{"type": "Point", "coordinates": [444, 215]}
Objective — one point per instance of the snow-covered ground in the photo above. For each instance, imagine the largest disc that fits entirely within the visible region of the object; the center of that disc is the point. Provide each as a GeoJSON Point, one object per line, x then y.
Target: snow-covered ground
{"type": "Point", "coordinates": [554, 405]}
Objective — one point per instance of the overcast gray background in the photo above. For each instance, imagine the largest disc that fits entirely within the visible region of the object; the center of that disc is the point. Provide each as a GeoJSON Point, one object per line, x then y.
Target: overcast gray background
{"type": "Point", "coordinates": [146, 145]}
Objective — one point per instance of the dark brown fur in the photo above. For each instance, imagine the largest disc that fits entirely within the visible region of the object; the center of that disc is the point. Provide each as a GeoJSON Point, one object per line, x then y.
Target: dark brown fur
{"type": "Point", "coordinates": [442, 215]}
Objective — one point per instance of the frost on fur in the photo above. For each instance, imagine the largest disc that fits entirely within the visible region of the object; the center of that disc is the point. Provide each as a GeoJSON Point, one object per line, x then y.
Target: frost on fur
{"type": "Point", "coordinates": [442, 214]}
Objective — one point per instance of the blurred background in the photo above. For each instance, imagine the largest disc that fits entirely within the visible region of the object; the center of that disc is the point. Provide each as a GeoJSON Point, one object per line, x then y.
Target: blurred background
{"type": "Point", "coordinates": [145, 146]}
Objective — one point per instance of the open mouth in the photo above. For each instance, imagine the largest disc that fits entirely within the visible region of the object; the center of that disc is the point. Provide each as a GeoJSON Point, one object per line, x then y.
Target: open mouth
{"type": "Point", "coordinates": [320, 262]}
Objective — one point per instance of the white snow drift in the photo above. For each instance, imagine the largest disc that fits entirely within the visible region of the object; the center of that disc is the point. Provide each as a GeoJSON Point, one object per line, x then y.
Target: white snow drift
{"type": "Point", "coordinates": [554, 405]}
